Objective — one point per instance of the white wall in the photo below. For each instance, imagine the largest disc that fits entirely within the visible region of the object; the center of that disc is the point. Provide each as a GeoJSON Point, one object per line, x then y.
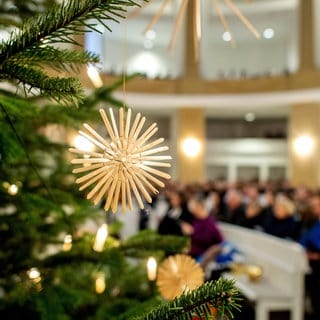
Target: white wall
{"type": "Point", "coordinates": [123, 48]}
{"type": "Point", "coordinates": [253, 58]}
{"type": "Point", "coordinates": [247, 156]}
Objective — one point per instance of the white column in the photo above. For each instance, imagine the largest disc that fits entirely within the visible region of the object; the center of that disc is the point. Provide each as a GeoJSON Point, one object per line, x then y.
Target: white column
{"type": "Point", "coordinates": [232, 172]}
{"type": "Point", "coordinates": [263, 172]}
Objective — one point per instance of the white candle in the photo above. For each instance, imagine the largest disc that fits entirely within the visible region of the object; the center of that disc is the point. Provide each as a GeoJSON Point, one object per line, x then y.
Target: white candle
{"type": "Point", "coordinates": [100, 283]}
{"type": "Point", "coordinates": [34, 275]}
{"type": "Point", "coordinates": [101, 238]}
{"type": "Point", "coordinates": [67, 244]}
{"type": "Point", "coordinates": [152, 268]}
{"type": "Point", "coordinates": [13, 189]}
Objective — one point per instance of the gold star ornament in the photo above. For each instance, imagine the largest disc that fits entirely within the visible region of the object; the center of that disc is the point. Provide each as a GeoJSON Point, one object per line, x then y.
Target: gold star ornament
{"type": "Point", "coordinates": [124, 163]}
{"type": "Point", "coordinates": [178, 274]}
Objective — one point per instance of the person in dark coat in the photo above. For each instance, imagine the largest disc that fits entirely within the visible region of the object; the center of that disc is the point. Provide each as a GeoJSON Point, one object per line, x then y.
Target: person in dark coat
{"type": "Point", "coordinates": [235, 209]}
{"type": "Point", "coordinates": [254, 217]}
{"type": "Point", "coordinates": [178, 212]}
{"type": "Point", "coordinates": [282, 223]}
{"type": "Point", "coordinates": [311, 241]}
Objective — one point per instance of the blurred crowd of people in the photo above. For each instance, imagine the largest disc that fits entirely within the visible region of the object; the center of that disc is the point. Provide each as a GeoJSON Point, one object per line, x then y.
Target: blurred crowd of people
{"type": "Point", "coordinates": [277, 209]}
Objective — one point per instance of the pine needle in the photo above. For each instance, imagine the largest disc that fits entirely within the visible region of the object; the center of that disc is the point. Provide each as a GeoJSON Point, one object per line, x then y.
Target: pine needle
{"type": "Point", "coordinates": [31, 48]}
{"type": "Point", "coordinates": [220, 294]}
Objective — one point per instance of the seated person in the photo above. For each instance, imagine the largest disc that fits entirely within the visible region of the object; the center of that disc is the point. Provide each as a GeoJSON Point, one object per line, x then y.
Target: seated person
{"type": "Point", "coordinates": [205, 235]}
{"type": "Point", "coordinates": [282, 223]}
{"type": "Point", "coordinates": [177, 213]}
{"type": "Point", "coordinates": [235, 211]}
{"type": "Point", "coordinates": [311, 241]}
{"type": "Point", "coordinates": [254, 216]}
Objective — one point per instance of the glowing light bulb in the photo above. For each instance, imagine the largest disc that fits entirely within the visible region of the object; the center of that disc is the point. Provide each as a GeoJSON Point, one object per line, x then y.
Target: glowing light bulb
{"type": "Point", "coordinates": [268, 33]}
{"type": "Point", "coordinates": [101, 238]}
{"type": "Point", "coordinates": [226, 36]}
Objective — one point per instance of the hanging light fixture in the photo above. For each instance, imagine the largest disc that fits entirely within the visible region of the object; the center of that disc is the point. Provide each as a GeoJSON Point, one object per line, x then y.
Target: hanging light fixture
{"type": "Point", "coordinates": [197, 21]}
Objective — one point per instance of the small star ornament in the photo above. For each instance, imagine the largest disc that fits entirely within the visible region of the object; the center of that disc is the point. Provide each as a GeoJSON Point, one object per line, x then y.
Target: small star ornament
{"type": "Point", "coordinates": [124, 163]}
{"type": "Point", "coordinates": [178, 274]}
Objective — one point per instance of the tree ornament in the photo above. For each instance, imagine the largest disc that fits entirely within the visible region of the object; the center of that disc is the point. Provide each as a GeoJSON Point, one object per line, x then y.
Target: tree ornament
{"type": "Point", "coordinates": [178, 274]}
{"type": "Point", "coordinates": [212, 316]}
{"type": "Point", "coordinates": [123, 163]}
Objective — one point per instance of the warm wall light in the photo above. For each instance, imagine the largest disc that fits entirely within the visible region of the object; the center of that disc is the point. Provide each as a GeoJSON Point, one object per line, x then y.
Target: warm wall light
{"type": "Point", "coordinates": [83, 144]}
{"type": "Point", "coordinates": [303, 145]}
{"type": "Point", "coordinates": [94, 76]}
{"type": "Point", "coordinates": [191, 147]}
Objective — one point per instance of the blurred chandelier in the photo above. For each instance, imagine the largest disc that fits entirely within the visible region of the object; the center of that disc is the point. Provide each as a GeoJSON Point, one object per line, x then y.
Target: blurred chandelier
{"type": "Point", "coordinates": [197, 21]}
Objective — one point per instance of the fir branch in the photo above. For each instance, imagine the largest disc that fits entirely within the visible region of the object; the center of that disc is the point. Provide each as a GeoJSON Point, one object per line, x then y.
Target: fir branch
{"type": "Point", "coordinates": [112, 256]}
{"type": "Point", "coordinates": [58, 25]}
{"type": "Point", "coordinates": [21, 142]}
{"type": "Point", "coordinates": [150, 240]}
{"type": "Point", "coordinates": [61, 22]}
{"type": "Point", "coordinates": [136, 310]}
{"type": "Point", "coordinates": [58, 59]}
{"type": "Point", "coordinates": [17, 108]}
{"type": "Point", "coordinates": [66, 90]}
{"type": "Point", "coordinates": [220, 294]}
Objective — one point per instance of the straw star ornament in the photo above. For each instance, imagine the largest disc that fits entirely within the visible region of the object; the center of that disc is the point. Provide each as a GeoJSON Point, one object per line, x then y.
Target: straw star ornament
{"type": "Point", "coordinates": [124, 165]}
{"type": "Point", "coordinates": [177, 274]}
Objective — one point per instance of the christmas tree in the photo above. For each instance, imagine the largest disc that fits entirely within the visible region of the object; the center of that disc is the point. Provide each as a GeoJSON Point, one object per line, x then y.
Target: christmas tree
{"type": "Point", "coordinates": [49, 268]}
